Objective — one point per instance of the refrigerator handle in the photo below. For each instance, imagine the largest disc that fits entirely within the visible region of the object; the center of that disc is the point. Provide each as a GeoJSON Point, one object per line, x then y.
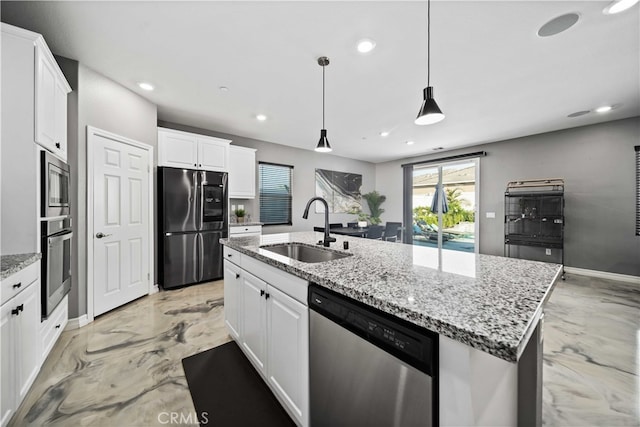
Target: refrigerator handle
{"type": "Point", "coordinates": [200, 257]}
{"type": "Point", "coordinates": [201, 189]}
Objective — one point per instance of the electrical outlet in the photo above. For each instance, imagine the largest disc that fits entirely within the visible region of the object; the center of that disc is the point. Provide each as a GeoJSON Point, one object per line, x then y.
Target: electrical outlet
{"type": "Point", "coordinates": [547, 251]}
{"type": "Point", "coordinates": [491, 214]}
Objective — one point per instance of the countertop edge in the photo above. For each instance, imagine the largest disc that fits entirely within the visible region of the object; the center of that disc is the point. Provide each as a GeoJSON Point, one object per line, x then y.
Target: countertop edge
{"type": "Point", "coordinates": [12, 264]}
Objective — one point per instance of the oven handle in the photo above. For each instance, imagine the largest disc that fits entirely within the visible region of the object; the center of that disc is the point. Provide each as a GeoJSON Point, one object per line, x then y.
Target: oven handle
{"type": "Point", "coordinates": [59, 238]}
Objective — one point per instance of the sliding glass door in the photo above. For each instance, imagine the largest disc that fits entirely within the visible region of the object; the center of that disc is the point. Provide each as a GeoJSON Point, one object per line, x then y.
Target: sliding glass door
{"type": "Point", "coordinates": [443, 204]}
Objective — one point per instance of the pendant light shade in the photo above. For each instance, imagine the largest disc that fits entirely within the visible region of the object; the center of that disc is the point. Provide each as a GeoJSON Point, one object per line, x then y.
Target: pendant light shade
{"type": "Point", "coordinates": [323, 145]}
{"type": "Point", "coordinates": [429, 111]}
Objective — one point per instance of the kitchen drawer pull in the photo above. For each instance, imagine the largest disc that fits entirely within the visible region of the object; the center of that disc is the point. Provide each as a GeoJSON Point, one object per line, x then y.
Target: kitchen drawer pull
{"type": "Point", "coordinates": [17, 285]}
{"type": "Point", "coordinates": [229, 255]}
{"type": "Point", "coordinates": [58, 326]}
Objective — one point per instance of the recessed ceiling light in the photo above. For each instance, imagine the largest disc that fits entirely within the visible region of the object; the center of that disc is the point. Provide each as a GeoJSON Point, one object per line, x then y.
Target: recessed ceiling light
{"type": "Point", "coordinates": [223, 89]}
{"type": "Point", "coordinates": [578, 113]}
{"type": "Point", "coordinates": [366, 45]}
{"type": "Point", "coordinates": [146, 86]}
{"type": "Point", "coordinates": [261, 117]}
{"type": "Point", "coordinates": [384, 133]}
{"type": "Point", "coordinates": [618, 6]}
{"type": "Point", "coordinates": [603, 109]}
{"type": "Point", "coordinates": [558, 25]}
{"type": "Point", "coordinates": [410, 142]}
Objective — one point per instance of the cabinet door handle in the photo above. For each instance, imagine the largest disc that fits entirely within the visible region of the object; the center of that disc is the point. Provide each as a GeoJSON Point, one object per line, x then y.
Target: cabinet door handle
{"type": "Point", "coordinates": [229, 255]}
{"type": "Point", "coordinates": [17, 310]}
{"type": "Point", "coordinates": [200, 165]}
{"type": "Point", "coordinates": [195, 164]}
{"type": "Point", "coordinates": [57, 145]}
{"type": "Point", "coordinates": [261, 292]}
{"type": "Point", "coordinates": [58, 326]}
{"type": "Point", "coordinates": [266, 295]}
{"type": "Point", "coordinates": [17, 285]}
{"type": "Point", "coordinates": [237, 275]}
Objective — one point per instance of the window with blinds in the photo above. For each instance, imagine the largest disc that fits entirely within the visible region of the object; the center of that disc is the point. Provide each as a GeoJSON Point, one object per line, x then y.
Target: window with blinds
{"type": "Point", "coordinates": [637, 148]}
{"type": "Point", "coordinates": [275, 193]}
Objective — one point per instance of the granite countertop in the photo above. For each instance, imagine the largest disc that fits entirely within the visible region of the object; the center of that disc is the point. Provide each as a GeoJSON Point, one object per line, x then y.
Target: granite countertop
{"type": "Point", "coordinates": [244, 224]}
{"type": "Point", "coordinates": [11, 264]}
{"type": "Point", "coordinates": [487, 302]}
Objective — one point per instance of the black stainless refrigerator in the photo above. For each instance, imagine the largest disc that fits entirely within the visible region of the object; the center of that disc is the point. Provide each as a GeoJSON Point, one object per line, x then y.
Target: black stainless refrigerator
{"type": "Point", "coordinates": [192, 209]}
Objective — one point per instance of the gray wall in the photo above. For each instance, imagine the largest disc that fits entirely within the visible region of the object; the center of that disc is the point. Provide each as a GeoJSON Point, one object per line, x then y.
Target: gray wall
{"type": "Point", "coordinates": [305, 162]}
{"type": "Point", "coordinates": [597, 163]}
{"type": "Point", "coordinates": [104, 104]}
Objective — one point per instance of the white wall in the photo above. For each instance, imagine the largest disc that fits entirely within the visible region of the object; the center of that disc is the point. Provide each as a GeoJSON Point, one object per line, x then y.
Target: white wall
{"type": "Point", "coordinates": [597, 163]}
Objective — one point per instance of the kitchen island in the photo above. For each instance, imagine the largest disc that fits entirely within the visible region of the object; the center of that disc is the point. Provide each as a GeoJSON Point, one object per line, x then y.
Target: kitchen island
{"type": "Point", "coordinates": [485, 310]}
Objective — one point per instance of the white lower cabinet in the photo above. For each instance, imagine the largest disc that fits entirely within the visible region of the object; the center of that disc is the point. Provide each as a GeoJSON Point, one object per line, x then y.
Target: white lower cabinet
{"type": "Point", "coordinates": [51, 328]}
{"type": "Point", "coordinates": [21, 357]}
{"type": "Point", "coordinates": [272, 329]}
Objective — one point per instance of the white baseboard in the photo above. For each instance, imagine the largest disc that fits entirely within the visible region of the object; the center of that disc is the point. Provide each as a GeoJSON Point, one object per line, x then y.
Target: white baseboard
{"type": "Point", "coordinates": [154, 289]}
{"type": "Point", "coordinates": [77, 322]}
{"type": "Point", "coordinates": [603, 275]}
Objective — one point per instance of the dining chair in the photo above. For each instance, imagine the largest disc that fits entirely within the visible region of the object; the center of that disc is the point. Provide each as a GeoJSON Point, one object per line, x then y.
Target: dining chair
{"type": "Point", "coordinates": [375, 232]}
{"type": "Point", "coordinates": [391, 231]}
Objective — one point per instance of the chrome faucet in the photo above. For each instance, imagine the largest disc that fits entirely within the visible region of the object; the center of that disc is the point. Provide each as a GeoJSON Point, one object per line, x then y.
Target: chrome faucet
{"type": "Point", "coordinates": [305, 215]}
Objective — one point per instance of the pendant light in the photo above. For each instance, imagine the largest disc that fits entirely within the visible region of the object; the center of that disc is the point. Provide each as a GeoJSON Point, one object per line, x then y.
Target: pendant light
{"type": "Point", "coordinates": [323, 145]}
{"type": "Point", "coordinates": [429, 111]}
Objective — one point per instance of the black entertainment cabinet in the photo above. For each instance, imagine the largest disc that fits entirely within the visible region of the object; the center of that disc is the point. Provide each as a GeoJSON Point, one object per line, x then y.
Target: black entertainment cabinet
{"type": "Point", "coordinates": [534, 220]}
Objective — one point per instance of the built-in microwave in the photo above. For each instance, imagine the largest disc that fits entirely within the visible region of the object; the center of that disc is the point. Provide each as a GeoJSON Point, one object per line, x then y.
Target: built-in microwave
{"type": "Point", "coordinates": [55, 183]}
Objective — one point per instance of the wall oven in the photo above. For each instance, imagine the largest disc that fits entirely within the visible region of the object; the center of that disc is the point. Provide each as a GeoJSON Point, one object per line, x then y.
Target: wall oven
{"type": "Point", "coordinates": [54, 175]}
{"type": "Point", "coordinates": [56, 262]}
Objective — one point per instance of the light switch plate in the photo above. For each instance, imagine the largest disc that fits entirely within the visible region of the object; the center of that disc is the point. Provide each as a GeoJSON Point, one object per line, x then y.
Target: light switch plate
{"type": "Point", "coordinates": [491, 214]}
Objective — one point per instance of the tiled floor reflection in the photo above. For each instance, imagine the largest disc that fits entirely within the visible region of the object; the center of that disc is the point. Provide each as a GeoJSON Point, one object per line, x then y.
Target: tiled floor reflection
{"type": "Point", "coordinates": [125, 368]}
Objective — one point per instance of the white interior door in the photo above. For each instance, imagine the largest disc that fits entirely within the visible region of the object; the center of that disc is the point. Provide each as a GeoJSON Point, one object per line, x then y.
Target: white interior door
{"type": "Point", "coordinates": [121, 266]}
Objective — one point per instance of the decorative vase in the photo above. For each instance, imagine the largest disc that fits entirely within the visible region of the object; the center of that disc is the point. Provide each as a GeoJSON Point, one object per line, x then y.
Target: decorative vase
{"type": "Point", "coordinates": [362, 224]}
{"type": "Point", "coordinates": [240, 220]}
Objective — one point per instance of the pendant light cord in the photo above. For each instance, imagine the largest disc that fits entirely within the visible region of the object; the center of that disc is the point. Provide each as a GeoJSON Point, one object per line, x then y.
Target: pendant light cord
{"type": "Point", "coordinates": [428, 42]}
{"type": "Point", "coordinates": [323, 97]}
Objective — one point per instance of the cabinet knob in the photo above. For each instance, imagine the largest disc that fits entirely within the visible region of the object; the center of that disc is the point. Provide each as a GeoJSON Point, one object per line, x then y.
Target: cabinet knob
{"type": "Point", "coordinates": [266, 295]}
{"type": "Point", "coordinates": [57, 145]}
{"type": "Point", "coordinates": [195, 164]}
{"type": "Point", "coordinates": [261, 292]}
{"type": "Point", "coordinates": [199, 165]}
{"type": "Point", "coordinates": [17, 285]}
{"type": "Point", "coordinates": [237, 275]}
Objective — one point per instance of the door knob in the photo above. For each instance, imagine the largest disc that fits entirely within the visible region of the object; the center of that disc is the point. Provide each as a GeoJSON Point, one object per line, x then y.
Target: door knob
{"type": "Point", "coordinates": [100, 235]}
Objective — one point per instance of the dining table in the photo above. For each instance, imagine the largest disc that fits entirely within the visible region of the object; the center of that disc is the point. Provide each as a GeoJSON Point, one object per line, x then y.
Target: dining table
{"type": "Point", "coordinates": [346, 231]}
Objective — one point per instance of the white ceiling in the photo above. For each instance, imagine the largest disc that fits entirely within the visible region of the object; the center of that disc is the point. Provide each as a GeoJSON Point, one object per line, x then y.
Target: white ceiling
{"type": "Point", "coordinates": [493, 77]}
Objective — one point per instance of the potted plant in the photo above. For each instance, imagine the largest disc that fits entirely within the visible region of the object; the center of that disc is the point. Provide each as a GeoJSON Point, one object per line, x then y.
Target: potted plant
{"type": "Point", "coordinates": [240, 213]}
{"type": "Point", "coordinates": [374, 200]}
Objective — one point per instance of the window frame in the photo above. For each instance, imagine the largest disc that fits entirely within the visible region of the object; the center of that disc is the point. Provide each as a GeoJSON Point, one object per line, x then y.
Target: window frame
{"type": "Point", "coordinates": [262, 197]}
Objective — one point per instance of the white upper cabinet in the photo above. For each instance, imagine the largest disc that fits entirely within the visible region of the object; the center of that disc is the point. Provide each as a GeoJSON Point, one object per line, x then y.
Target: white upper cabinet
{"type": "Point", "coordinates": [34, 91]}
{"type": "Point", "coordinates": [51, 89]}
{"type": "Point", "coordinates": [242, 172]}
{"type": "Point", "coordinates": [188, 150]}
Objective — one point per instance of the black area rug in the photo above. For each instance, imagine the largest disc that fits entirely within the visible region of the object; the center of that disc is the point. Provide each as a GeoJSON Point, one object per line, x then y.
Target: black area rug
{"type": "Point", "coordinates": [227, 391]}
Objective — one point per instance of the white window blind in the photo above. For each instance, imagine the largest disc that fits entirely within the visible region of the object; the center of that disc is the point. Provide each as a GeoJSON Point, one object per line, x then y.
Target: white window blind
{"type": "Point", "coordinates": [637, 148]}
{"type": "Point", "coordinates": [275, 193]}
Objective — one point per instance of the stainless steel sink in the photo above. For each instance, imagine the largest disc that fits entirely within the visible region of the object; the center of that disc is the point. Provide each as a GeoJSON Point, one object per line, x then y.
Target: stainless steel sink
{"type": "Point", "coordinates": [305, 253]}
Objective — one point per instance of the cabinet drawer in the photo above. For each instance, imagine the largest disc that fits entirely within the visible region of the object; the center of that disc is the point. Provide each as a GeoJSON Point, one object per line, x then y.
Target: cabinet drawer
{"type": "Point", "coordinates": [291, 285]}
{"type": "Point", "coordinates": [52, 327]}
{"type": "Point", "coordinates": [16, 283]}
{"type": "Point", "coordinates": [245, 229]}
{"type": "Point", "coordinates": [233, 256]}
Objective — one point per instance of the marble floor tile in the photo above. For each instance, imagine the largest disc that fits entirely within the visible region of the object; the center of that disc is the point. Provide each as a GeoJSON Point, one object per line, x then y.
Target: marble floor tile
{"type": "Point", "coordinates": [124, 369]}
{"type": "Point", "coordinates": [592, 353]}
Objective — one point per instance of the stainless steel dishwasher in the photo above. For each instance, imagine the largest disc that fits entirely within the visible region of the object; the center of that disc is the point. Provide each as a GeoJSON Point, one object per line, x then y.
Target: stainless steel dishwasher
{"type": "Point", "coordinates": [368, 368]}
